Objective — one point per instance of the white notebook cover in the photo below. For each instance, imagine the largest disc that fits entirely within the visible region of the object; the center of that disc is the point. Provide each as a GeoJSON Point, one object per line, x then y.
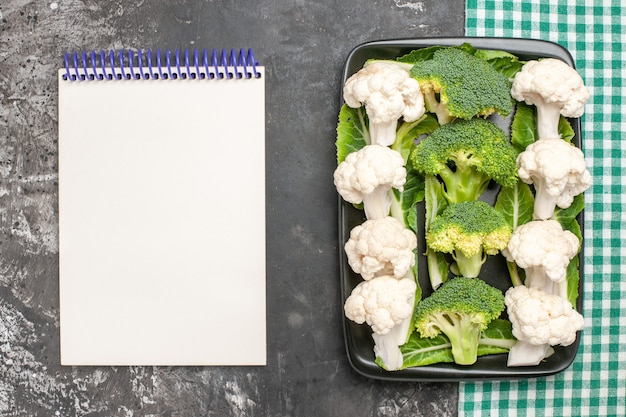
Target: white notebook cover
{"type": "Point", "coordinates": [162, 222]}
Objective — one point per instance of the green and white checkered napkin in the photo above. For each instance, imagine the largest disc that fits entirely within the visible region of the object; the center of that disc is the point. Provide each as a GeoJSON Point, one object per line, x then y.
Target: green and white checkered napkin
{"type": "Point", "coordinates": [594, 31]}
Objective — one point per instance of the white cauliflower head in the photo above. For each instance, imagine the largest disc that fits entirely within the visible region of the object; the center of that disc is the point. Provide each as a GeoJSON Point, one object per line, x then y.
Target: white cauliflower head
{"type": "Point", "coordinates": [554, 88]}
{"type": "Point", "coordinates": [540, 318]}
{"type": "Point", "coordinates": [544, 250]}
{"type": "Point", "coordinates": [558, 172]}
{"type": "Point", "coordinates": [382, 302]}
{"type": "Point", "coordinates": [388, 92]}
{"type": "Point", "coordinates": [366, 176]}
{"type": "Point", "coordinates": [381, 247]}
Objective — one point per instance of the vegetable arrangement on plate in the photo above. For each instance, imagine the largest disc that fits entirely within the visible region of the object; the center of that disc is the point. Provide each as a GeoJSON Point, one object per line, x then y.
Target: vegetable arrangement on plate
{"type": "Point", "coordinates": [422, 129]}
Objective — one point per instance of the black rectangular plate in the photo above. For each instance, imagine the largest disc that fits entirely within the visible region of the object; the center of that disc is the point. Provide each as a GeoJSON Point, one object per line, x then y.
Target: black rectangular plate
{"type": "Point", "coordinates": [358, 340]}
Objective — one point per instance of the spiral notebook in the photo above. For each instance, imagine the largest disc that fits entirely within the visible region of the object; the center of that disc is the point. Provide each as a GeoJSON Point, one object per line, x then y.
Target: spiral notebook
{"type": "Point", "coordinates": [162, 208]}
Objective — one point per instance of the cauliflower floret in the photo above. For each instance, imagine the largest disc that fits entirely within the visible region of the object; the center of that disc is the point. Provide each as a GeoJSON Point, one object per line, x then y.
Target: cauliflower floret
{"type": "Point", "coordinates": [382, 302]}
{"type": "Point", "coordinates": [554, 88]}
{"type": "Point", "coordinates": [543, 249]}
{"type": "Point", "coordinates": [388, 93]}
{"type": "Point", "coordinates": [381, 247]}
{"type": "Point", "coordinates": [558, 172]}
{"type": "Point", "coordinates": [366, 176]}
{"type": "Point", "coordinates": [539, 320]}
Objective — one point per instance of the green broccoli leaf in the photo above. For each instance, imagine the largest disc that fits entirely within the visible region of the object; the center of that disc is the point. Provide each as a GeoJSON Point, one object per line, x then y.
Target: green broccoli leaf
{"type": "Point", "coordinates": [420, 55]}
{"type": "Point", "coordinates": [574, 227]}
{"type": "Point", "coordinates": [516, 204]}
{"type": "Point", "coordinates": [524, 127]}
{"type": "Point", "coordinates": [504, 62]}
{"type": "Point", "coordinates": [565, 129]}
{"type": "Point", "coordinates": [421, 351]}
{"type": "Point", "coordinates": [352, 131]}
{"type": "Point", "coordinates": [496, 338]}
{"type": "Point", "coordinates": [404, 208]}
{"type": "Point", "coordinates": [572, 278]}
{"type": "Point", "coordinates": [467, 47]}
{"type": "Point", "coordinates": [489, 54]}
{"type": "Point", "coordinates": [498, 329]}
{"type": "Point", "coordinates": [403, 204]}
{"type": "Point", "coordinates": [435, 199]}
{"type": "Point", "coordinates": [435, 204]}
{"type": "Point", "coordinates": [409, 132]}
{"type": "Point", "coordinates": [567, 217]}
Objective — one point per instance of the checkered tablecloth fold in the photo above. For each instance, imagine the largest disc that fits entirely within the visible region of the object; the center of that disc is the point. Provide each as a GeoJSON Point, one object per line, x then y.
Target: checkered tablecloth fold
{"type": "Point", "coordinates": [594, 31]}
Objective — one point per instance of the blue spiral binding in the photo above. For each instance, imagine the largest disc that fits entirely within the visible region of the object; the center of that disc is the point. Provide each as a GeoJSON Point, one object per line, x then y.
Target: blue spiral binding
{"type": "Point", "coordinates": [149, 65]}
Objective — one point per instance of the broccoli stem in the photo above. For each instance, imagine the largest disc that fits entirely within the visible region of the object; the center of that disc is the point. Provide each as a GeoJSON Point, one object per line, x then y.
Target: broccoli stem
{"type": "Point", "coordinates": [464, 184]}
{"type": "Point", "coordinates": [516, 280]}
{"type": "Point", "coordinates": [437, 268]}
{"type": "Point", "coordinates": [434, 106]}
{"type": "Point", "coordinates": [469, 266]}
{"type": "Point", "coordinates": [464, 336]}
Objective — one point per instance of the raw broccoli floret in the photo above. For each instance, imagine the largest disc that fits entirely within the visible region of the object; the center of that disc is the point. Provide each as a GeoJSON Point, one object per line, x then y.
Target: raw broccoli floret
{"type": "Point", "coordinates": [469, 231]}
{"type": "Point", "coordinates": [457, 84]}
{"type": "Point", "coordinates": [466, 155]}
{"type": "Point", "coordinates": [461, 309]}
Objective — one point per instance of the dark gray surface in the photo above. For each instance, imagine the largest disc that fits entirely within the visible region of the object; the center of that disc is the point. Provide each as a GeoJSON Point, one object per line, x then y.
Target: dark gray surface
{"type": "Point", "coordinates": [303, 46]}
